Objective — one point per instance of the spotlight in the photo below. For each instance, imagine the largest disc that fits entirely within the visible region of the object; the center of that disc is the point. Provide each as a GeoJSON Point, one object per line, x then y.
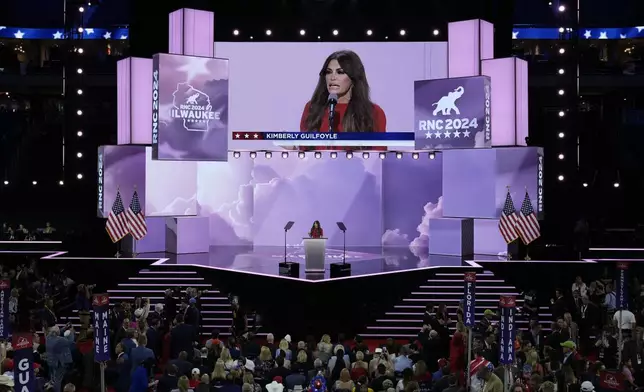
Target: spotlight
{"type": "Point", "coordinates": [235, 32]}
{"type": "Point", "coordinates": [79, 133]}
{"type": "Point", "coordinates": [285, 155]}
{"type": "Point", "coordinates": [369, 32]}
{"type": "Point", "coordinates": [335, 32]}
{"type": "Point", "coordinates": [562, 113]}
{"type": "Point", "coordinates": [562, 50]}
{"type": "Point", "coordinates": [561, 92]}
{"type": "Point", "coordinates": [349, 155]}
{"type": "Point", "coordinates": [81, 9]}
{"type": "Point", "coordinates": [382, 155]}
{"type": "Point", "coordinates": [79, 176]}
{"type": "Point", "coordinates": [79, 112]}
{"type": "Point", "coordinates": [80, 29]}
{"type": "Point", "coordinates": [79, 70]}
{"type": "Point", "coordinates": [268, 155]}
{"type": "Point", "coordinates": [561, 29]}
{"type": "Point", "coordinates": [34, 183]}
{"type": "Point", "coordinates": [435, 32]}
{"type": "Point", "coordinates": [302, 32]}
{"type": "Point", "coordinates": [562, 8]}
{"type": "Point", "coordinates": [432, 155]}
{"type": "Point", "coordinates": [251, 37]}
{"type": "Point", "coordinates": [81, 50]}
{"type": "Point", "coordinates": [560, 156]}
{"type": "Point", "coordinates": [334, 155]}
{"type": "Point", "coordinates": [403, 32]}
{"type": "Point", "coordinates": [414, 155]}
{"type": "Point", "coordinates": [561, 71]}
{"type": "Point", "coordinates": [253, 154]}
{"type": "Point", "coordinates": [560, 177]}
{"type": "Point", "coordinates": [301, 155]}
{"type": "Point", "coordinates": [61, 182]}
{"type": "Point", "coordinates": [79, 91]}
{"type": "Point", "coordinates": [585, 185]}
{"type": "Point", "coordinates": [79, 155]}
{"type": "Point", "coordinates": [319, 38]}
{"type": "Point", "coordinates": [236, 154]}
{"type": "Point", "coordinates": [616, 185]}
{"type": "Point", "coordinates": [399, 155]}
{"type": "Point", "coordinates": [365, 155]}
{"type": "Point", "coordinates": [561, 135]}
{"type": "Point", "coordinates": [6, 182]}
{"type": "Point", "coordinates": [318, 155]}
{"type": "Point", "coordinates": [268, 32]}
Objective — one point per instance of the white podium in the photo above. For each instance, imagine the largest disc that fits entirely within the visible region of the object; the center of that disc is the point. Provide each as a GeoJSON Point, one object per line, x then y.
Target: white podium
{"type": "Point", "coordinates": [314, 251]}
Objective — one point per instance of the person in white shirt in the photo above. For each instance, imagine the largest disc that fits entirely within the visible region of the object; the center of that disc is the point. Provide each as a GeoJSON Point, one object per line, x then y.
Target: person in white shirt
{"type": "Point", "coordinates": [580, 286]}
{"type": "Point", "coordinates": [625, 320]}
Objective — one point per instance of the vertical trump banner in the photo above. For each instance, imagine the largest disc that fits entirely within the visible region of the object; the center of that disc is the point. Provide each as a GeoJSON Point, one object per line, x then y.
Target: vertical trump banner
{"type": "Point", "coordinates": [189, 108]}
{"type": "Point", "coordinates": [506, 348]}
{"type": "Point", "coordinates": [23, 359]}
{"type": "Point", "coordinates": [469, 306]}
{"type": "Point", "coordinates": [101, 307]}
{"type": "Point", "coordinates": [621, 302]}
{"type": "Point", "coordinates": [452, 113]}
{"type": "Point", "coordinates": [5, 294]}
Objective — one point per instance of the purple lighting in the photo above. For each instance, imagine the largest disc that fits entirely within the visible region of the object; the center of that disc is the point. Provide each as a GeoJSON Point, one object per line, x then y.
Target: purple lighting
{"type": "Point", "coordinates": [192, 33]}
{"type": "Point", "coordinates": [469, 42]}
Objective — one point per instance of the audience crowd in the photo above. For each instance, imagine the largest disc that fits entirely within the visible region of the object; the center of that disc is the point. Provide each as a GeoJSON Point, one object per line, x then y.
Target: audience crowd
{"type": "Point", "coordinates": [21, 233]}
{"type": "Point", "coordinates": [159, 346]}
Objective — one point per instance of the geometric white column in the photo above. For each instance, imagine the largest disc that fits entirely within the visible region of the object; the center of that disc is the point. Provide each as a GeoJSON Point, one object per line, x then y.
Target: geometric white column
{"type": "Point", "coordinates": [192, 33]}
{"type": "Point", "coordinates": [469, 42]}
{"type": "Point", "coordinates": [134, 101]}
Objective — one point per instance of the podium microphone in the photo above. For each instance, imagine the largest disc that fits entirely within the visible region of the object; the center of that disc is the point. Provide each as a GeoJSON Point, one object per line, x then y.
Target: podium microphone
{"type": "Point", "coordinates": [332, 101]}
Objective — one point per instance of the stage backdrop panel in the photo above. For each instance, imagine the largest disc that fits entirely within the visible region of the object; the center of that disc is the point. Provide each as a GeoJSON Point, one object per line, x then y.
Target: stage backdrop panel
{"type": "Point", "coordinates": [119, 167]}
{"type": "Point", "coordinates": [309, 189]}
{"type": "Point", "coordinates": [266, 94]}
{"type": "Point", "coordinates": [475, 181]}
{"type": "Point", "coordinates": [171, 187]}
{"type": "Point", "coordinates": [452, 113]}
{"type": "Point", "coordinates": [412, 195]}
{"type": "Point", "coordinates": [190, 108]}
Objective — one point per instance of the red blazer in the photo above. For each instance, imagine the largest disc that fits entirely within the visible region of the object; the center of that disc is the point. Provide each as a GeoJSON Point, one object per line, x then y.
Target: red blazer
{"type": "Point", "coordinates": [379, 123]}
{"type": "Point", "coordinates": [317, 233]}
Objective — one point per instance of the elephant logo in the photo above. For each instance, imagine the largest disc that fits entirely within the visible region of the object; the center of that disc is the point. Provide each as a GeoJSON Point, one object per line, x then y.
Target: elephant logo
{"type": "Point", "coordinates": [446, 104]}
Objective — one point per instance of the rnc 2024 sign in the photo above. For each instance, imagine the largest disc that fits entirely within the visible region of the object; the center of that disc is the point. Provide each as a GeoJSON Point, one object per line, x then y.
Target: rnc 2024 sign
{"type": "Point", "coordinates": [452, 113]}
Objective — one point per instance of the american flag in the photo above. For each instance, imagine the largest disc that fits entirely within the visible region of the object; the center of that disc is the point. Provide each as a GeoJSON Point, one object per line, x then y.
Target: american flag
{"type": "Point", "coordinates": [527, 222]}
{"type": "Point", "coordinates": [136, 219]}
{"type": "Point", "coordinates": [508, 222]}
{"type": "Point", "coordinates": [116, 225]}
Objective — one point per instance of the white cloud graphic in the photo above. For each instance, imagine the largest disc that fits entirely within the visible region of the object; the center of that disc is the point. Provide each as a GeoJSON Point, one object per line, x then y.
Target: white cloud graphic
{"type": "Point", "coordinates": [432, 211]}
{"type": "Point", "coordinates": [395, 238]}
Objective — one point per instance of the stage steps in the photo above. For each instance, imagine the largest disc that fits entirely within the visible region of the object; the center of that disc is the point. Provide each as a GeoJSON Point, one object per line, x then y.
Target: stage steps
{"type": "Point", "coordinates": [152, 283]}
{"type": "Point", "coordinates": [405, 319]}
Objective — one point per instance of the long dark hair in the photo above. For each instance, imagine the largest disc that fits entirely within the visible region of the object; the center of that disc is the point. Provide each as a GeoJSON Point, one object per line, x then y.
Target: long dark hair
{"type": "Point", "coordinates": [313, 226]}
{"type": "Point", "coordinates": [359, 114]}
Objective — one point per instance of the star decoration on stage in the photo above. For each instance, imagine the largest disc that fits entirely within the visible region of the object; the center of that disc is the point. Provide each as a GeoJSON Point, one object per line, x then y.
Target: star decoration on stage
{"type": "Point", "coordinates": [602, 35]}
{"type": "Point", "coordinates": [107, 35]}
{"type": "Point", "coordinates": [587, 34]}
{"type": "Point", "coordinates": [58, 35]}
{"type": "Point", "coordinates": [622, 36]}
{"type": "Point", "coordinates": [639, 28]}
{"type": "Point", "coordinates": [19, 34]}
{"type": "Point", "coordinates": [447, 134]}
{"type": "Point", "coordinates": [124, 37]}
{"type": "Point", "coordinates": [89, 31]}
{"type": "Point", "coordinates": [515, 34]}
{"type": "Point", "coordinates": [196, 67]}
{"type": "Point", "coordinates": [3, 27]}
{"type": "Point", "coordinates": [245, 135]}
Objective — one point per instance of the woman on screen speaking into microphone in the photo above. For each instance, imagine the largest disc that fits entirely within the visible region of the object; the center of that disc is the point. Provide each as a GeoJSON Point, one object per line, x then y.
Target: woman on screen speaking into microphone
{"type": "Point", "coordinates": [343, 74]}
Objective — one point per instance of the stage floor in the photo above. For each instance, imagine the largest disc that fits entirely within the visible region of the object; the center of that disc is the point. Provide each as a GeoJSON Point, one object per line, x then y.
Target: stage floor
{"type": "Point", "coordinates": [265, 260]}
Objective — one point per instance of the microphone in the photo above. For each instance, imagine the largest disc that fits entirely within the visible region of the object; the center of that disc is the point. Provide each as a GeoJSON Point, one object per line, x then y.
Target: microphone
{"type": "Point", "coordinates": [332, 100]}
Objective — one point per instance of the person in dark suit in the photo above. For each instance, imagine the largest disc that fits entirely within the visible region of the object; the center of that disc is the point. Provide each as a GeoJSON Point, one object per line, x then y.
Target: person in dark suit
{"type": "Point", "coordinates": [153, 337]}
{"type": "Point", "coordinates": [535, 336]}
{"type": "Point", "coordinates": [559, 305]}
{"type": "Point", "coordinates": [123, 368]}
{"type": "Point", "coordinates": [490, 349]}
{"type": "Point", "coordinates": [141, 354]}
{"type": "Point", "coordinates": [59, 355]}
{"type": "Point", "coordinates": [182, 364]}
{"type": "Point", "coordinates": [278, 371]}
{"type": "Point", "coordinates": [182, 338]}
{"type": "Point", "coordinates": [169, 380]}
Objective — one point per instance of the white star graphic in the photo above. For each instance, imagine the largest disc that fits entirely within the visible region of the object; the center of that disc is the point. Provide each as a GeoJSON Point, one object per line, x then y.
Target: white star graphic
{"type": "Point", "coordinates": [437, 135]}
{"type": "Point", "coordinates": [197, 66]}
{"type": "Point", "coordinates": [124, 37]}
{"type": "Point", "coordinates": [3, 27]}
{"type": "Point", "coordinates": [237, 136]}
{"type": "Point", "coordinates": [447, 133]}
{"type": "Point", "coordinates": [107, 35]}
{"type": "Point", "coordinates": [428, 135]}
{"type": "Point", "coordinates": [89, 31]}
{"type": "Point", "coordinates": [466, 133]}
{"type": "Point", "coordinates": [457, 134]}
{"type": "Point", "coordinates": [622, 36]}
{"type": "Point", "coordinates": [587, 34]}
{"type": "Point", "coordinates": [19, 34]}
{"type": "Point", "coordinates": [639, 28]}
{"type": "Point", "coordinates": [515, 34]}
{"type": "Point", "coordinates": [58, 35]}
{"type": "Point", "coordinates": [246, 136]}
{"type": "Point", "coordinates": [602, 35]}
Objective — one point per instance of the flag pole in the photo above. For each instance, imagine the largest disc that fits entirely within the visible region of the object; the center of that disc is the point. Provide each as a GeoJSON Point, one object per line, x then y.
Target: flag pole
{"type": "Point", "coordinates": [134, 240]}
{"type": "Point", "coordinates": [527, 246]}
{"type": "Point", "coordinates": [118, 243]}
{"type": "Point", "coordinates": [509, 256]}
